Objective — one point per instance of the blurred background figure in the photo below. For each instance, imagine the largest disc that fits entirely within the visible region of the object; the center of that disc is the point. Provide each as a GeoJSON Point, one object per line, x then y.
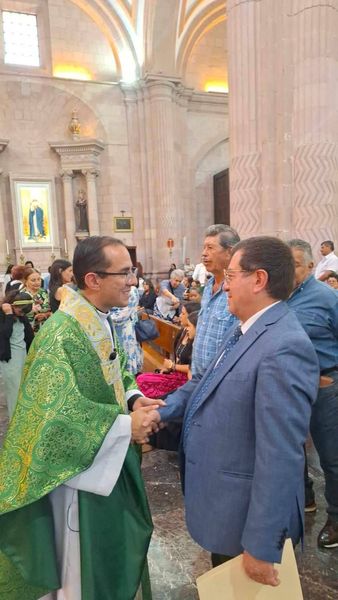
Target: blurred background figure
{"type": "Point", "coordinates": [16, 336]}
{"type": "Point", "coordinates": [17, 278]}
{"type": "Point", "coordinates": [148, 298]}
{"type": "Point", "coordinates": [168, 303]}
{"type": "Point", "coordinates": [332, 280]}
{"type": "Point", "coordinates": [124, 320]}
{"type": "Point", "coordinates": [7, 276]}
{"type": "Point", "coordinates": [173, 373]}
{"type": "Point", "coordinates": [61, 273]}
{"type": "Point", "coordinates": [171, 269]}
{"type": "Point", "coordinates": [41, 307]}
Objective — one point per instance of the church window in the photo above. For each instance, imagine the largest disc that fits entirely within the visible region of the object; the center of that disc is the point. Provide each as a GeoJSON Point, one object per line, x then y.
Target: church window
{"type": "Point", "coordinates": [21, 43]}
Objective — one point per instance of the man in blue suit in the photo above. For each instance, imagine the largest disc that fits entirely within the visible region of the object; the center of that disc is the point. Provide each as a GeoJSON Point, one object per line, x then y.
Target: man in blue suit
{"type": "Point", "coordinates": [247, 418]}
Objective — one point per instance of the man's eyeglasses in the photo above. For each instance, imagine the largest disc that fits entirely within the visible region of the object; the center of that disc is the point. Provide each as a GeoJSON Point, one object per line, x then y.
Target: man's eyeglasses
{"type": "Point", "coordinates": [229, 273]}
{"type": "Point", "coordinates": [128, 275]}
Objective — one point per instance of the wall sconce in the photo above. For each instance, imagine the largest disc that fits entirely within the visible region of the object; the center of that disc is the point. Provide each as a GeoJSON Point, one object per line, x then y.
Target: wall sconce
{"type": "Point", "coordinates": [170, 245]}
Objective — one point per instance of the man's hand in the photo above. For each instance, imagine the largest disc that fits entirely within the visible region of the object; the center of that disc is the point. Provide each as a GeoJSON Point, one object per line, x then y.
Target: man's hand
{"type": "Point", "coordinates": [259, 570]}
{"type": "Point", "coordinates": [143, 422]}
{"type": "Point", "coordinates": [143, 401]}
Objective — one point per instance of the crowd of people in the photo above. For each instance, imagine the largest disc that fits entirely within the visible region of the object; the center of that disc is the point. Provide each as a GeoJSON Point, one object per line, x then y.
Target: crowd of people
{"type": "Point", "coordinates": [256, 359]}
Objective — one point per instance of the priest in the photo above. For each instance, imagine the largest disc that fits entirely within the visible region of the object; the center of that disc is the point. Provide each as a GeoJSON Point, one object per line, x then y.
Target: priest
{"type": "Point", "coordinates": [75, 522]}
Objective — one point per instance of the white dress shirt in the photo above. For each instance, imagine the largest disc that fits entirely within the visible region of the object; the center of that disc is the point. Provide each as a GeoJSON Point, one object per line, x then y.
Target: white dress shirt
{"type": "Point", "coordinates": [328, 263]}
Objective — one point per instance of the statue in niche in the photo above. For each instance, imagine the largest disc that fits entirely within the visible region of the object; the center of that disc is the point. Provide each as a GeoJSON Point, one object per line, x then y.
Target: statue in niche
{"type": "Point", "coordinates": [81, 204]}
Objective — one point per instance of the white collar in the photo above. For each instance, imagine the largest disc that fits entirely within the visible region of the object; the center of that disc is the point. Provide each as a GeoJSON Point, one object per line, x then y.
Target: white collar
{"type": "Point", "coordinates": [249, 322]}
{"type": "Point", "coordinates": [103, 316]}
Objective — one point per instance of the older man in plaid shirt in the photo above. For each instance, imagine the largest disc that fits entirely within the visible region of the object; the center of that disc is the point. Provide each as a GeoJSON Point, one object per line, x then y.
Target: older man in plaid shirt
{"type": "Point", "coordinates": [214, 319]}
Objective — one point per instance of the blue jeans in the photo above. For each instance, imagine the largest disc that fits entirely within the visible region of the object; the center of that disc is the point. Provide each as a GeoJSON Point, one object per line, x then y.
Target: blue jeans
{"type": "Point", "coordinates": [324, 431]}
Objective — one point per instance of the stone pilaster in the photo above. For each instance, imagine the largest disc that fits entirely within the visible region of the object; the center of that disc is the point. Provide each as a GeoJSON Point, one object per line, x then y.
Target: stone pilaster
{"type": "Point", "coordinates": [67, 177]}
{"type": "Point", "coordinates": [142, 235]}
{"type": "Point", "coordinates": [93, 215]}
{"type": "Point", "coordinates": [164, 199]}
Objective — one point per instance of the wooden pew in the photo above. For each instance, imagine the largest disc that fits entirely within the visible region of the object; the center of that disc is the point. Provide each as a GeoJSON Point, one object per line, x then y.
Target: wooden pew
{"type": "Point", "coordinates": [155, 351]}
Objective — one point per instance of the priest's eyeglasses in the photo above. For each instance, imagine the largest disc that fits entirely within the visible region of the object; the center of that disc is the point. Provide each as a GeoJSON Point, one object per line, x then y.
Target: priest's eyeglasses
{"type": "Point", "coordinates": [128, 275]}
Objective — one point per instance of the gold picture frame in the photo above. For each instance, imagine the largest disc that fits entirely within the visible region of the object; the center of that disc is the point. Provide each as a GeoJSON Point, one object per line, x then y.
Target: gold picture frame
{"type": "Point", "coordinates": [123, 224]}
{"type": "Point", "coordinates": [33, 203]}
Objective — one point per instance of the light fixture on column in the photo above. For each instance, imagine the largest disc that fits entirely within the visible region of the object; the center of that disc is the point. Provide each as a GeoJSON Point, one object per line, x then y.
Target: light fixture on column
{"type": "Point", "coordinates": [170, 245]}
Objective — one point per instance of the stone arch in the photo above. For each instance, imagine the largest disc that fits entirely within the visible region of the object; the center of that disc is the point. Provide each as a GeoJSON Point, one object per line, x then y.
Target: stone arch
{"type": "Point", "coordinates": [206, 148]}
{"type": "Point", "coordinates": [44, 95]}
{"type": "Point", "coordinates": [198, 26]}
{"type": "Point", "coordinates": [117, 28]}
{"type": "Point", "coordinates": [212, 158]}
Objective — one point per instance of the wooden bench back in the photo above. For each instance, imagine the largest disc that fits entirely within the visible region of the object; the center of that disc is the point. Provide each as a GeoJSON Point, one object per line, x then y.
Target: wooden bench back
{"type": "Point", "coordinates": [167, 334]}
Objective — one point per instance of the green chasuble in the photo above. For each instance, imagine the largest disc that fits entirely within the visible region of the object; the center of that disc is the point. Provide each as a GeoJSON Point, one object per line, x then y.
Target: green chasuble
{"type": "Point", "coordinates": [69, 398]}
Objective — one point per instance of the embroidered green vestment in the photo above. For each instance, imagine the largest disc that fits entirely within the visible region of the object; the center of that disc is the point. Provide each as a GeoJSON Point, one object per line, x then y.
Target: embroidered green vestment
{"type": "Point", "coordinates": [64, 411]}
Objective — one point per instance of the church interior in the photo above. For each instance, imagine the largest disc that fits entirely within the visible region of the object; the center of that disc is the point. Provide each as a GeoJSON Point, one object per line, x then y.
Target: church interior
{"type": "Point", "coordinates": [150, 120]}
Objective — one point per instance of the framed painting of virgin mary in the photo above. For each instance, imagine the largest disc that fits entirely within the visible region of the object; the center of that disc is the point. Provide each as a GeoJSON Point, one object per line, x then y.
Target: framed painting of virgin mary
{"type": "Point", "coordinates": [33, 200]}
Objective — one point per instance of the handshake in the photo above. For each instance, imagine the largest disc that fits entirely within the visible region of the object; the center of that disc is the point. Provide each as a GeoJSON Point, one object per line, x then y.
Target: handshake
{"type": "Point", "coordinates": [145, 419]}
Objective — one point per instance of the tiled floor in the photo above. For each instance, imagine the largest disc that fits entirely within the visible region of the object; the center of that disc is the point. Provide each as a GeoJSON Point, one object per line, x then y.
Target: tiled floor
{"type": "Point", "coordinates": [175, 560]}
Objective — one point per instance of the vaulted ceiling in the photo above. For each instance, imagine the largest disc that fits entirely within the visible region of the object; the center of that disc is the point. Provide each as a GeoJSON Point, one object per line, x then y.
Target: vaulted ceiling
{"type": "Point", "coordinates": [159, 36]}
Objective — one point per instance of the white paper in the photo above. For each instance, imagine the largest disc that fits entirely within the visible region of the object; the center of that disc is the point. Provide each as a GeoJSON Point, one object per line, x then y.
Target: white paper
{"type": "Point", "coordinates": [230, 582]}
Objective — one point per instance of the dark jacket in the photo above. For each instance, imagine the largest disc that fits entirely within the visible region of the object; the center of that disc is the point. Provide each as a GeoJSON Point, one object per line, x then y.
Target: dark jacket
{"type": "Point", "coordinates": [6, 330]}
{"type": "Point", "coordinates": [147, 301]}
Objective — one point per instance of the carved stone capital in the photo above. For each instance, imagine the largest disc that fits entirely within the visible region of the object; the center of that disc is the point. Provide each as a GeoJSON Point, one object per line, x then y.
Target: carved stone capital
{"type": "Point", "coordinates": [90, 173]}
{"type": "Point", "coordinates": [66, 174]}
{"type": "Point", "coordinates": [3, 145]}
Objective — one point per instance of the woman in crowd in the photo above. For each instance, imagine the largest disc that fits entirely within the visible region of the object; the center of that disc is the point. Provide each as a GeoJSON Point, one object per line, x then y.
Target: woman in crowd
{"type": "Point", "coordinates": [171, 269]}
{"type": "Point", "coordinates": [61, 273]}
{"type": "Point", "coordinates": [187, 281]}
{"type": "Point", "coordinates": [41, 307]}
{"type": "Point", "coordinates": [124, 320]}
{"type": "Point", "coordinates": [174, 373]}
{"type": "Point", "coordinates": [148, 297]}
{"type": "Point", "coordinates": [7, 276]}
{"type": "Point", "coordinates": [332, 280]}
{"type": "Point", "coordinates": [17, 278]}
{"type": "Point", "coordinates": [194, 295]}
{"type": "Point", "coordinates": [16, 336]}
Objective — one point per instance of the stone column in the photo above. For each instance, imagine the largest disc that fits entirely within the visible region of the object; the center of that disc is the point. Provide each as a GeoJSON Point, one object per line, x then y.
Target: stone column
{"type": "Point", "coordinates": [283, 118]}
{"type": "Point", "coordinates": [142, 236]}
{"type": "Point", "coordinates": [245, 164]}
{"type": "Point", "coordinates": [69, 211]}
{"type": "Point", "coordinates": [93, 216]}
{"type": "Point", "coordinates": [315, 120]}
{"type": "Point", "coordinates": [164, 197]}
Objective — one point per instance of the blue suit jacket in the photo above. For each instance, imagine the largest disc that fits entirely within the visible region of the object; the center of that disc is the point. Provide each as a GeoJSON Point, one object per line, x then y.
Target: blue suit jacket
{"type": "Point", "coordinates": [244, 462]}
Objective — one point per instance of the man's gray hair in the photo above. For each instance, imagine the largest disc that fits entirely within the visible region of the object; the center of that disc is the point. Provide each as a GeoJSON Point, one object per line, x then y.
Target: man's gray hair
{"type": "Point", "coordinates": [228, 237]}
{"type": "Point", "coordinates": [177, 274]}
{"type": "Point", "coordinates": [303, 246]}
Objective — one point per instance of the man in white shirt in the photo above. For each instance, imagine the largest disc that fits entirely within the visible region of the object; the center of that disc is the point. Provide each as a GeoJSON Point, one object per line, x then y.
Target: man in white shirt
{"type": "Point", "coordinates": [328, 263]}
{"type": "Point", "coordinates": [200, 274]}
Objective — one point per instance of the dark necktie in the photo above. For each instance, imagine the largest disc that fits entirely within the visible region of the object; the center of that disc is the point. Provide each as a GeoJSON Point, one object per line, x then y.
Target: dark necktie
{"type": "Point", "coordinates": [232, 341]}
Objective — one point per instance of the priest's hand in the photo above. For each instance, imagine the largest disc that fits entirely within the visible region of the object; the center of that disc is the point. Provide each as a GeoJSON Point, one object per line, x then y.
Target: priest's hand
{"type": "Point", "coordinates": [143, 401]}
{"type": "Point", "coordinates": [144, 421]}
{"type": "Point", "coordinates": [259, 570]}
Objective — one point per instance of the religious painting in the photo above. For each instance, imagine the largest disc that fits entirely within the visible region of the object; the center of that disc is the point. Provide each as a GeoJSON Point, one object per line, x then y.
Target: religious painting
{"type": "Point", "coordinates": [123, 224]}
{"type": "Point", "coordinates": [33, 199]}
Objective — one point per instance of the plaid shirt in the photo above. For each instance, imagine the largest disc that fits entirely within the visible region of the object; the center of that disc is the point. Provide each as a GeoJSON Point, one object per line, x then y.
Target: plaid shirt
{"type": "Point", "coordinates": [213, 321]}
